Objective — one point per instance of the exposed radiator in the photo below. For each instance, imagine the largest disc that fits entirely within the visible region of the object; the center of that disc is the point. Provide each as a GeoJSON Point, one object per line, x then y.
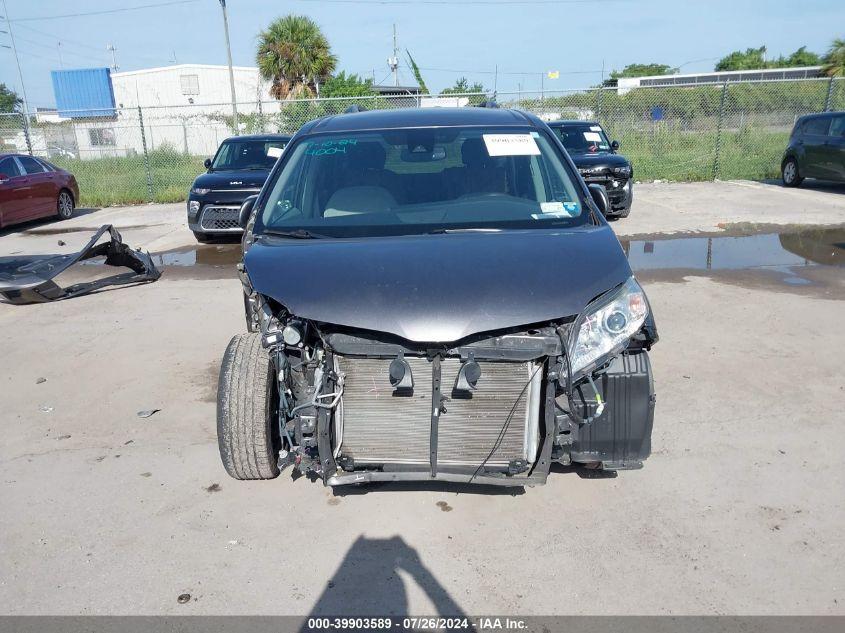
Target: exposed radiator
{"type": "Point", "coordinates": [379, 428]}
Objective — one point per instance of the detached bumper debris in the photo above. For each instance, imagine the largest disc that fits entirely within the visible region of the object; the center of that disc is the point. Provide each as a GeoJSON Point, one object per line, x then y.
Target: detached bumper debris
{"type": "Point", "coordinates": [29, 279]}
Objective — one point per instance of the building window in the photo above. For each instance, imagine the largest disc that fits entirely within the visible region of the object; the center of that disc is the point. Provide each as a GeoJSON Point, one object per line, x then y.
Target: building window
{"type": "Point", "coordinates": [101, 136]}
{"type": "Point", "coordinates": [190, 84]}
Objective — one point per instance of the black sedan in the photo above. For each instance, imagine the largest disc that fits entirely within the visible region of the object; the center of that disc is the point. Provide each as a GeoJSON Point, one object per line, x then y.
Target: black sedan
{"type": "Point", "coordinates": [238, 170]}
{"type": "Point", "coordinates": [598, 161]}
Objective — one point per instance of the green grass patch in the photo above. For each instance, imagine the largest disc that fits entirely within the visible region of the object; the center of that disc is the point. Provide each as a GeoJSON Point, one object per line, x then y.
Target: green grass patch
{"type": "Point", "coordinates": [658, 154]}
{"type": "Point", "coordinates": [124, 179]}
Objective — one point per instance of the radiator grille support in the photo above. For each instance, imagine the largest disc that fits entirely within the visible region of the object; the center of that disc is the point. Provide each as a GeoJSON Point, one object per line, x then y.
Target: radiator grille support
{"type": "Point", "coordinates": [219, 218]}
{"type": "Point", "coordinates": [438, 430]}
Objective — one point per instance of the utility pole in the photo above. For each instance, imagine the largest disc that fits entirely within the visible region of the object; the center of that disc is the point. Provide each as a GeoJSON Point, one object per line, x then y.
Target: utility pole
{"type": "Point", "coordinates": [20, 77]}
{"type": "Point", "coordinates": [393, 62]}
{"type": "Point", "coordinates": [59, 49]}
{"type": "Point", "coordinates": [114, 65]}
{"type": "Point", "coordinates": [231, 72]}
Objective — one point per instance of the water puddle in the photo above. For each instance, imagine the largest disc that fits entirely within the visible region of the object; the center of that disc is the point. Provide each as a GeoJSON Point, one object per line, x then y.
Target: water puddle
{"type": "Point", "coordinates": [200, 255]}
{"type": "Point", "coordinates": [809, 257]}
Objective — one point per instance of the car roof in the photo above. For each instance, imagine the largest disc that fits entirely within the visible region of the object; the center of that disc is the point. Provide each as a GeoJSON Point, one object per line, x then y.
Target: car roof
{"type": "Point", "coordinates": [562, 122]}
{"type": "Point", "coordinates": [421, 117]}
{"type": "Point", "coordinates": [259, 137]}
{"type": "Point", "coordinates": [821, 115]}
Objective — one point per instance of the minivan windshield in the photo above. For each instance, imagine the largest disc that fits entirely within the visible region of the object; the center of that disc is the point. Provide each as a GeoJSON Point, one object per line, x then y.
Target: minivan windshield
{"type": "Point", "coordinates": [582, 138]}
{"type": "Point", "coordinates": [418, 180]}
{"type": "Point", "coordinates": [248, 154]}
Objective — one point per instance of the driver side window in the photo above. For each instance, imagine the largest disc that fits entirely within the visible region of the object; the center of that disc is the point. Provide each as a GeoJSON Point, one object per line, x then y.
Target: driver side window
{"type": "Point", "coordinates": [9, 167]}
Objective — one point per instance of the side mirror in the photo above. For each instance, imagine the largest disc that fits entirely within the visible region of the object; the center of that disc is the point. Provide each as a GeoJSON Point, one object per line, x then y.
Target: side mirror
{"type": "Point", "coordinates": [207, 163]}
{"type": "Point", "coordinates": [599, 194]}
{"type": "Point", "coordinates": [615, 146]}
{"type": "Point", "coordinates": [246, 210]}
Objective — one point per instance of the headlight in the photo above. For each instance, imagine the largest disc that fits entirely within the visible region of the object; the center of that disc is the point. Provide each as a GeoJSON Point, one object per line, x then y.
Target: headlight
{"type": "Point", "coordinates": [622, 171]}
{"type": "Point", "coordinates": [193, 206]}
{"type": "Point", "coordinates": [200, 191]}
{"type": "Point", "coordinates": [607, 326]}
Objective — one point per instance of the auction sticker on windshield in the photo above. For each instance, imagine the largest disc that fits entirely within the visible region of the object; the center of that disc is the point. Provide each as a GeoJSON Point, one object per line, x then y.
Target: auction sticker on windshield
{"type": "Point", "coordinates": [274, 152]}
{"type": "Point", "coordinates": [511, 145]}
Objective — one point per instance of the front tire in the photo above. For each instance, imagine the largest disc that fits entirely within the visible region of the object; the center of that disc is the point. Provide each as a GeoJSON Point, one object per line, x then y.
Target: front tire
{"type": "Point", "coordinates": [64, 205]}
{"type": "Point", "coordinates": [247, 410]}
{"type": "Point", "coordinates": [789, 173]}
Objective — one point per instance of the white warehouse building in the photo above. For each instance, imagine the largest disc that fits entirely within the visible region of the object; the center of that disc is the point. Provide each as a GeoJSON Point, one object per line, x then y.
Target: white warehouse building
{"type": "Point", "coordinates": [188, 85]}
{"type": "Point", "coordinates": [185, 107]}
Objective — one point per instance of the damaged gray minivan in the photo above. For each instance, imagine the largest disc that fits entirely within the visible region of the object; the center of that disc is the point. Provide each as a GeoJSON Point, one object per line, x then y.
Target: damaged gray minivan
{"type": "Point", "coordinates": [434, 294]}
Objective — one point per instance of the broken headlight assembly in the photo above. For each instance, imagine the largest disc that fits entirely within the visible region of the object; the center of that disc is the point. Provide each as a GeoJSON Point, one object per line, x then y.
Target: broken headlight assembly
{"type": "Point", "coordinates": [606, 326]}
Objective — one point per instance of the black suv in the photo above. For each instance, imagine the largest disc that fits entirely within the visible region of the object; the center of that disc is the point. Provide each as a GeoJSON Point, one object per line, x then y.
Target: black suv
{"type": "Point", "coordinates": [437, 296]}
{"type": "Point", "coordinates": [816, 149]}
{"type": "Point", "coordinates": [237, 171]}
{"type": "Point", "coordinates": [598, 162]}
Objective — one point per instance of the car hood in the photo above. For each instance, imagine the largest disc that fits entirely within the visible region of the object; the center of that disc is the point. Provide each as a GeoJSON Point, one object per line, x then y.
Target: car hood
{"type": "Point", "coordinates": [599, 160]}
{"type": "Point", "coordinates": [232, 179]}
{"type": "Point", "coordinates": [439, 288]}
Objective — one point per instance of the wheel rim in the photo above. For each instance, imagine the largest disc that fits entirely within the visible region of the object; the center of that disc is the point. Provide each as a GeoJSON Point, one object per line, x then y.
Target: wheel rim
{"type": "Point", "coordinates": [789, 172]}
{"type": "Point", "coordinates": [65, 205]}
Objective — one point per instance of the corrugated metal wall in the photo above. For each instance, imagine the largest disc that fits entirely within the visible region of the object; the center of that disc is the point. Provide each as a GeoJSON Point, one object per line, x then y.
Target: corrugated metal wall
{"type": "Point", "coordinates": [83, 93]}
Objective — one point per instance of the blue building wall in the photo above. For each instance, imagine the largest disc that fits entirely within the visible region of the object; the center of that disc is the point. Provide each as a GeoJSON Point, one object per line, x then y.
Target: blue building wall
{"type": "Point", "coordinates": [84, 93]}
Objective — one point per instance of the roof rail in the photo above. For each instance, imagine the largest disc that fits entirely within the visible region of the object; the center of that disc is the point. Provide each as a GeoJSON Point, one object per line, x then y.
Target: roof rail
{"type": "Point", "coordinates": [354, 108]}
{"type": "Point", "coordinates": [488, 103]}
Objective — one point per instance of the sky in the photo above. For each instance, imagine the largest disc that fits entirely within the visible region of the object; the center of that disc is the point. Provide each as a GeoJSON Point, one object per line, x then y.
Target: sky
{"type": "Point", "coordinates": [448, 38]}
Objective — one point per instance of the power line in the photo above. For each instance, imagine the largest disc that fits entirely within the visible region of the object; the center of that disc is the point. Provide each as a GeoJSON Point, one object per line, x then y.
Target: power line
{"type": "Point", "coordinates": [67, 41]}
{"type": "Point", "coordinates": [66, 52]}
{"type": "Point", "coordinates": [104, 11]}
{"type": "Point", "coordinates": [455, 3]}
{"type": "Point", "coordinates": [64, 39]}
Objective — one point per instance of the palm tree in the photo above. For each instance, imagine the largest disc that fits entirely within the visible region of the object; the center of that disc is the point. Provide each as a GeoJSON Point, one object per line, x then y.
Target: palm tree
{"type": "Point", "coordinates": [834, 61]}
{"type": "Point", "coordinates": [294, 54]}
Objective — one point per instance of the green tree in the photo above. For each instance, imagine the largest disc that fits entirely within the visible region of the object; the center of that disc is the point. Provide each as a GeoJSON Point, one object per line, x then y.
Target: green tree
{"type": "Point", "coordinates": [751, 59]}
{"type": "Point", "coordinates": [639, 70]}
{"type": "Point", "coordinates": [643, 70]}
{"type": "Point", "coordinates": [9, 100]}
{"type": "Point", "coordinates": [294, 54]}
{"type": "Point", "coordinates": [343, 85]}
{"type": "Point", "coordinates": [755, 59]}
{"type": "Point", "coordinates": [802, 57]}
{"type": "Point", "coordinates": [462, 86]}
{"type": "Point", "coordinates": [834, 59]}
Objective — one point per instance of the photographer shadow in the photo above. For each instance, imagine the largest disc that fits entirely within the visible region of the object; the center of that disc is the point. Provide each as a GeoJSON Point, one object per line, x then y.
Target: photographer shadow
{"type": "Point", "coordinates": [367, 582]}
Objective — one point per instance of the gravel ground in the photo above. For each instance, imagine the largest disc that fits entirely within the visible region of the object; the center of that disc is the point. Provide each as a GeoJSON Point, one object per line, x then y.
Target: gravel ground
{"type": "Point", "coordinates": [738, 511]}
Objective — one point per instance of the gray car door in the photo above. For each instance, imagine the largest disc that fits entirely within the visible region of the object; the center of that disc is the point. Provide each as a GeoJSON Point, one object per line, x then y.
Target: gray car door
{"type": "Point", "coordinates": [814, 140]}
{"type": "Point", "coordinates": [836, 147]}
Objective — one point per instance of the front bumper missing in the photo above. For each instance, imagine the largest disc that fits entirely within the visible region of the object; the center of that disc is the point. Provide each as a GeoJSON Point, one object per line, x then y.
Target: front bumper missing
{"type": "Point", "coordinates": [30, 279]}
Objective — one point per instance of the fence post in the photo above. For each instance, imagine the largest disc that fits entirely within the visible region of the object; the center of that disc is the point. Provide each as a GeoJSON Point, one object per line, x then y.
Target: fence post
{"type": "Point", "coordinates": [719, 130]}
{"type": "Point", "coordinates": [599, 95]}
{"type": "Point", "coordinates": [146, 155]}
{"type": "Point", "coordinates": [26, 136]}
{"type": "Point", "coordinates": [829, 98]}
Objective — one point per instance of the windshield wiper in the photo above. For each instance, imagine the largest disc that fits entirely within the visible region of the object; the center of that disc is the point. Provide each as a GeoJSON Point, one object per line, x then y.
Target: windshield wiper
{"type": "Point", "coordinates": [296, 234]}
{"type": "Point", "coordinates": [471, 229]}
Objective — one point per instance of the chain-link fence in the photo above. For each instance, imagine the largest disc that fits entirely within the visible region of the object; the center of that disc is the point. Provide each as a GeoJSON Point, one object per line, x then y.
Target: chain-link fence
{"type": "Point", "coordinates": [687, 132]}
